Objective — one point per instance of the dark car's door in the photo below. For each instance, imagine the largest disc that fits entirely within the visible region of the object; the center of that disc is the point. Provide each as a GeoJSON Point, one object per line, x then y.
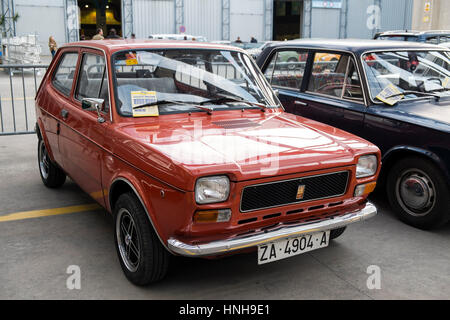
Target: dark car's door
{"type": "Point", "coordinates": [330, 91]}
{"type": "Point", "coordinates": [82, 137]}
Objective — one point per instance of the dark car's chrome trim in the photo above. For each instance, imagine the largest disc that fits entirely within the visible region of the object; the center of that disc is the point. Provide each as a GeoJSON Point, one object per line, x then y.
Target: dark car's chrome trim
{"type": "Point", "coordinates": [225, 246]}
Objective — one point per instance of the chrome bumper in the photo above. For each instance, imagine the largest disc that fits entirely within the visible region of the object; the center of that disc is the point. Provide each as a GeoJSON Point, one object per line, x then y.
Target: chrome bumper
{"type": "Point", "coordinates": [224, 246]}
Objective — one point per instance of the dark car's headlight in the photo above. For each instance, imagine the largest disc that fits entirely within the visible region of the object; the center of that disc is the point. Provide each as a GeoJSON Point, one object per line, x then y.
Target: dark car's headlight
{"type": "Point", "coordinates": [367, 166]}
{"type": "Point", "coordinates": [212, 189]}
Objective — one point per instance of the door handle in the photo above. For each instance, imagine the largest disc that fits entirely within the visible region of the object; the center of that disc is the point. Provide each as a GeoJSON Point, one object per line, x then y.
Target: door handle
{"type": "Point", "coordinates": [64, 113]}
{"type": "Point", "coordinates": [300, 103]}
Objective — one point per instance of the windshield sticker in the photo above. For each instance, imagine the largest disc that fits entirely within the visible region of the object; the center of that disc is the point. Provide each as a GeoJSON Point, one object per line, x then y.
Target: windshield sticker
{"type": "Point", "coordinates": [390, 95]}
{"type": "Point", "coordinates": [139, 98]}
{"type": "Point", "coordinates": [130, 59]}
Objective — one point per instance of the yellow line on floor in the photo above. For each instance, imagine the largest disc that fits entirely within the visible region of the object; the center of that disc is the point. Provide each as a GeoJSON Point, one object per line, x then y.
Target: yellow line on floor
{"type": "Point", "coordinates": [48, 212]}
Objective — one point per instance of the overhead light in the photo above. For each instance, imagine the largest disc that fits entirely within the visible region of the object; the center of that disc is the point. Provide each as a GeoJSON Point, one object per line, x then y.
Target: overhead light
{"type": "Point", "coordinates": [86, 6]}
{"type": "Point", "coordinates": [107, 7]}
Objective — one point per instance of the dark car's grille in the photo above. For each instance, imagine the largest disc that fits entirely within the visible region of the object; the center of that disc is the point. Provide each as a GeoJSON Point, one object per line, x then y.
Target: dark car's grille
{"type": "Point", "coordinates": [274, 194]}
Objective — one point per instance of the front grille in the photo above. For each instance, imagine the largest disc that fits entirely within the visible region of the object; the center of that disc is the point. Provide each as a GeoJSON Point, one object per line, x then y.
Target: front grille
{"type": "Point", "coordinates": [274, 194]}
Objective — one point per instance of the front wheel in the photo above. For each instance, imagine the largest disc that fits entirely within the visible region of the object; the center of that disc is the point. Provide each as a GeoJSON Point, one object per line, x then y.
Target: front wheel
{"type": "Point", "coordinates": [337, 233]}
{"type": "Point", "coordinates": [418, 193]}
{"type": "Point", "coordinates": [142, 256]}
{"type": "Point", "coordinates": [52, 176]}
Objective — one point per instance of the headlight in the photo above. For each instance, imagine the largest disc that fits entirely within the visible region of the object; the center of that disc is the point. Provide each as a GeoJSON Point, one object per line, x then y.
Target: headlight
{"type": "Point", "coordinates": [212, 189]}
{"type": "Point", "coordinates": [367, 166]}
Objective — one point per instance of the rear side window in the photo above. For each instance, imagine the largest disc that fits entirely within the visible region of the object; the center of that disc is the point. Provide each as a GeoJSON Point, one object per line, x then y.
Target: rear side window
{"type": "Point", "coordinates": [93, 79]}
{"type": "Point", "coordinates": [286, 69]}
{"type": "Point", "coordinates": [64, 74]}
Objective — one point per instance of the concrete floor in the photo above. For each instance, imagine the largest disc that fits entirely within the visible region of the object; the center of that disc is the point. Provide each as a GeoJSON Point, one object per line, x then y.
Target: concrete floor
{"type": "Point", "coordinates": [35, 253]}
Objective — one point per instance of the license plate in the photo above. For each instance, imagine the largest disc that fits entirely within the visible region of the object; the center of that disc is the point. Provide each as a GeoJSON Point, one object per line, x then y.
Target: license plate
{"type": "Point", "coordinates": [286, 248]}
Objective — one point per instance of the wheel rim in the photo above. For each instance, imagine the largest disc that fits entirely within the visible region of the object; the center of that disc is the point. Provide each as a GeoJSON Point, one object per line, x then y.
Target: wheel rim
{"type": "Point", "coordinates": [43, 160]}
{"type": "Point", "coordinates": [128, 240]}
{"type": "Point", "coordinates": [416, 192]}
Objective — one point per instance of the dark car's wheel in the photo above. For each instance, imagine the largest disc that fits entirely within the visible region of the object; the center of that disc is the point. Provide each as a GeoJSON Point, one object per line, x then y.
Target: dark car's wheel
{"type": "Point", "coordinates": [291, 63]}
{"type": "Point", "coordinates": [52, 176]}
{"type": "Point", "coordinates": [418, 193]}
{"type": "Point", "coordinates": [336, 233]}
{"type": "Point", "coordinates": [142, 256]}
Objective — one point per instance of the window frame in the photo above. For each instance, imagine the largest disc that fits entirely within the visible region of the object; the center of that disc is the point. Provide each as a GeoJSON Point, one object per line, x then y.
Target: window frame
{"type": "Point", "coordinates": [75, 74]}
{"type": "Point", "coordinates": [82, 54]}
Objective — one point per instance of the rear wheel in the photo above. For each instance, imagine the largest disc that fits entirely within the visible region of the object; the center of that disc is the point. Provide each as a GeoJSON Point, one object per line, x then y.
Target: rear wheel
{"type": "Point", "coordinates": [52, 176]}
{"type": "Point", "coordinates": [142, 256]}
{"type": "Point", "coordinates": [418, 193]}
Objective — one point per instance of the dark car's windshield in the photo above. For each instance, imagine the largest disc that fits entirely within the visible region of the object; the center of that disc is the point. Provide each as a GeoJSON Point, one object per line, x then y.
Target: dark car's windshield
{"type": "Point", "coordinates": [394, 72]}
{"type": "Point", "coordinates": [189, 77]}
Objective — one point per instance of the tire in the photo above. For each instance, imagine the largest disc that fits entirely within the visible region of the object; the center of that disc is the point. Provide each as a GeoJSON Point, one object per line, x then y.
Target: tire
{"type": "Point", "coordinates": [142, 257]}
{"type": "Point", "coordinates": [291, 66]}
{"type": "Point", "coordinates": [52, 176]}
{"type": "Point", "coordinates": [418, 193]}
{"type": "Point", "coordinates": [336, 233]}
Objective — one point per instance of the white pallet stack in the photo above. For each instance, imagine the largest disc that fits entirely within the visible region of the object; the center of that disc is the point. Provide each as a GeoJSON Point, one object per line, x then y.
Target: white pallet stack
{"type": "Point", "coordinates": [22, 50]}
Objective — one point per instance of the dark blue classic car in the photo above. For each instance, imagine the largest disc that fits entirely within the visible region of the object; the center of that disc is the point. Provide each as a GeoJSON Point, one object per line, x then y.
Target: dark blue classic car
{"type": "Point", "coordinates": [394, 94]}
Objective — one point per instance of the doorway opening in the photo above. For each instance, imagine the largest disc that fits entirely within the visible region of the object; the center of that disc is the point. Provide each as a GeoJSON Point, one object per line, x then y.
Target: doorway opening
{"type": "Point", "coordinates": [287, 16]}
{"type": "Point", "coordinates": [105, 14]}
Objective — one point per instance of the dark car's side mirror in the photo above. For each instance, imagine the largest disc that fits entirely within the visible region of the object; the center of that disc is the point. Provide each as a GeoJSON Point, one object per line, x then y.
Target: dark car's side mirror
{"type": "Point", "coordinates": [94, 104]}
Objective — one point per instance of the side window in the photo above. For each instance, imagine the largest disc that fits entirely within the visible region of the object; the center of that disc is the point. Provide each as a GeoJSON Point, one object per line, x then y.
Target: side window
{"type": "Point", "coordinates": [63, 76]}
{"type": "Point", "coordinates": [93, 79]}
{"type": "Point", "coordinates": [328, 74]}
{"type": "Point", "coordinates": [286, 69]}
{"type": "Point", "coordinates": [352, 85]}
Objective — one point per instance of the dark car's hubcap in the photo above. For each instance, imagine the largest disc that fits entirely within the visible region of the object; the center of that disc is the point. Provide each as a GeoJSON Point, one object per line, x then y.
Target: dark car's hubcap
{"type": "Point", "coordinates": [43, 160]}
{"type": "Point", "coordinates": [415, 191]}
{"type": "Point", "coordinates": [128, 240]}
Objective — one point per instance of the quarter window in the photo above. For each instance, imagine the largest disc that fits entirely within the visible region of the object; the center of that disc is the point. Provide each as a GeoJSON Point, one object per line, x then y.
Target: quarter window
{"type": "Point", "coordinates": [286, 69]}
{"type": "Point", "coordinates": [63, 76]}
{"type": "Point", "coordinates": [93, 79]}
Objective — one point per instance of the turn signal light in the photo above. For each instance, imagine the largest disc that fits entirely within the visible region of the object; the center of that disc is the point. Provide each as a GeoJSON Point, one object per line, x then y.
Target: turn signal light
{"type": "Point", "coordinates": [365, 188]}
{"type": "Point", "coordinates": [220, 215]}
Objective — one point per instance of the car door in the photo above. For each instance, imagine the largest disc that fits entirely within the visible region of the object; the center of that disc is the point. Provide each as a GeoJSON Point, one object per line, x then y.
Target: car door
{"type": "Point", "coordinates": [60, 90]}
{"type": "Point", "coordinates": [83, 135]}
{"type": "Point", "coordinates": [330, 92]}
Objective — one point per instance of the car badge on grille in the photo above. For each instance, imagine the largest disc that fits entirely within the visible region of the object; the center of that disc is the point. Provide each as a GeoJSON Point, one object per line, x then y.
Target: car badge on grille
{"type": "Point", "coordinates": [300, 192]}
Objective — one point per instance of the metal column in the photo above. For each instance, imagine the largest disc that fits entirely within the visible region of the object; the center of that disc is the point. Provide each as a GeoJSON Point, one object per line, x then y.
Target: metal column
{"type": "Point", "coordinates": [179, 15]}
{"type": "Point", "coordinates": [307, 17]}
{"type": "Point", "coordinates": [343, 16]}
{"type": "Point", "coordinates": [268, 20]}
{"type": "Point", "coordinates": [72, 24]}
{"type": "Point", "coordinates": [127, 18]}
{"type": "Point", "coordinates": [225, 19]}
{"type": "Point", "coordinates": [8, 29]}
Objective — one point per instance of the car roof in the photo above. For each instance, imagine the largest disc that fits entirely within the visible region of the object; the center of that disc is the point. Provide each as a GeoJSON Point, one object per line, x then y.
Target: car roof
{"type": "Point", "coordinates": [414, 32]}
{"type": "Point", "coordinates": [357, 46]}
{"type": "Point", "coordinates": [109, 46]}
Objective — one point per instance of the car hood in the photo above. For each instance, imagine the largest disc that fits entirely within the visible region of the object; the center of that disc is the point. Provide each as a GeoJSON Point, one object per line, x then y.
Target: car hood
{"type": "Point", "coordinates": [427, 113]}
{"type": "Point", "coordinates": [249, 146]}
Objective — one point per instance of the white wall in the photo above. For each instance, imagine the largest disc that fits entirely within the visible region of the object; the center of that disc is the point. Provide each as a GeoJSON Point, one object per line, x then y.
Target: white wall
{"type": "Point", "coordinates": [203, 18]}
{"type": "Point", "coordinates": [43, 18]}
{"type": "Point", "coordinates": [153, 17]}
{"type": "Point", "coordinates": [246, 19]}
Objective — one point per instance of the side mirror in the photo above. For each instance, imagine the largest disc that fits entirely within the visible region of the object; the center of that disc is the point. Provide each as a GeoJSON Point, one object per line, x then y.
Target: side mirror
{"type": "Point", "coordinates": [94, 104]}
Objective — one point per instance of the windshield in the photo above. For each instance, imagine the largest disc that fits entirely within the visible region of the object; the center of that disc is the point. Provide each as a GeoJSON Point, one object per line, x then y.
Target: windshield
{"type": "Point", "coordinates": [188, 77]}
{"type": "Point", "coordinates": [406, 71]}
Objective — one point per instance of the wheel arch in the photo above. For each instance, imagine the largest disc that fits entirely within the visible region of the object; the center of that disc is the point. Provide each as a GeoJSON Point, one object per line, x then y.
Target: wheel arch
{"type": "Point", "coordinates": [40, 132]}
{"type": "Point", "coordinates": [122, 185]}
{"type": "Point", "coordinates": [399, 152]}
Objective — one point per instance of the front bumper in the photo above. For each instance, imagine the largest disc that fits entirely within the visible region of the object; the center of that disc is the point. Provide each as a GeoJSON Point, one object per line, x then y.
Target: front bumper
{"type": "Point", "coordinates": [229, 245]}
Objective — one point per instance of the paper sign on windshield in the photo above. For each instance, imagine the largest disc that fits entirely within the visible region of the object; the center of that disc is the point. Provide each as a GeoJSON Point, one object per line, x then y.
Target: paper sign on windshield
{"type": "Point", "coordinates": [388, 91]}
{"type": "Point", "coordinates": [142, 97]}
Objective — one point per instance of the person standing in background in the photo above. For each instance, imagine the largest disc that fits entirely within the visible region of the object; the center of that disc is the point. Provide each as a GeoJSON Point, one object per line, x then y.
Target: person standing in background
{"type": "Point", "coordinates": [99, 35]}
{"type": "Point", "coordinates": [112, 34]}
{"type": "Point", "coordinates": [52, 45]}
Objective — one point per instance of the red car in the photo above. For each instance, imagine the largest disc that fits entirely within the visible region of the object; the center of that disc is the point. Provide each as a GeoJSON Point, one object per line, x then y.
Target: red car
{"type": "Point", "coordinates": [195, 157]}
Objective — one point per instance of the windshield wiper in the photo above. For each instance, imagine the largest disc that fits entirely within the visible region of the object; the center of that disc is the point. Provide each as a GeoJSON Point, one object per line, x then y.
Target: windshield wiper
{"type": "Point", "coordinates": [436, 96]}
{"type": "Point", "coordinates": [162, 102]}
{"type": "Point", "coordinates": [224, 99]}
